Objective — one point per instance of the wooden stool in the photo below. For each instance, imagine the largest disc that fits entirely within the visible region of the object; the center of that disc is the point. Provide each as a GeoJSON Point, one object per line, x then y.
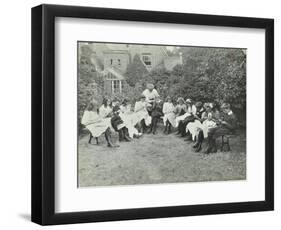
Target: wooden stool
{"type": "Point", "coordinates": [91, 137]}
{"type": "Point", "coordinates": [225, 142]}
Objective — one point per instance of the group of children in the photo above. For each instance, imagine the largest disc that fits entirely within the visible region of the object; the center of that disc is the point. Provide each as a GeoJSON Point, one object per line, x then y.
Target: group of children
{"type": "Point", "coordinates": [196, 121]}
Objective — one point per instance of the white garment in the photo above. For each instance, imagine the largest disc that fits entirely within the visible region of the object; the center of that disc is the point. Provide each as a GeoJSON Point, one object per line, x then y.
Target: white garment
{"type": "Point", "coordinates": [196, 126]}
{"type": "Point", "coordinates": [150, 95]}
{"type": "Point", "coordinates": [141, 113]}
{"type": "Point", "coordinates": [168, 110]}
{"type": "Point", "coordinates": [104, 111]}
{"type": "Point", "coordinates": [128, 118]}
{"type": "Point", "coordinates": [94, 123]}
{"type": "Point", "coordinates": [191, 110]}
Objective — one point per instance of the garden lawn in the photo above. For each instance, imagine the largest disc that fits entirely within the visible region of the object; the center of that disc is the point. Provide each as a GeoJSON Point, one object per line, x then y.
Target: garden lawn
{"type": "Point", "coordinates": [159, 158]}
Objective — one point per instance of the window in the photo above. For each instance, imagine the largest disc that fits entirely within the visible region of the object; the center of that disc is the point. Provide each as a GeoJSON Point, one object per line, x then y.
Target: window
{"type": "Point", "coordinates": [146, 59]}
{"type": "Point", "coordinates": [117, 86]}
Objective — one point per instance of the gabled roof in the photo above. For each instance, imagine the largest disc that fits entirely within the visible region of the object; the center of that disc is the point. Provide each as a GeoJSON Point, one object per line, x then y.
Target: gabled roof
{"type": "Point", "coordinates": [116, 72]}
{"type": "Point", "coordinates": [171, 62]}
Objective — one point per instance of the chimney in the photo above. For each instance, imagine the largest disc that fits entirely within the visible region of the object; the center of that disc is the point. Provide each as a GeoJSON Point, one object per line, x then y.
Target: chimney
{"type": "Point", "coordinates": [180, 53]}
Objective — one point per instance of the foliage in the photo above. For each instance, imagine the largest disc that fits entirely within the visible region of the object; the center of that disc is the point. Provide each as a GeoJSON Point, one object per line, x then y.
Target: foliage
{"type": "Point", "coordinates": [135, 71]}
{"type": "Point", "coordinates": [90, 83]}
{"type": "Point", "coordinates": [207, 74]}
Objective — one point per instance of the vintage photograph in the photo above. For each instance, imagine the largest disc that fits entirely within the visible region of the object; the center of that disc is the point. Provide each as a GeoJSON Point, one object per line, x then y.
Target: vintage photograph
{"type": "Point", "coordinates": [154, 114]}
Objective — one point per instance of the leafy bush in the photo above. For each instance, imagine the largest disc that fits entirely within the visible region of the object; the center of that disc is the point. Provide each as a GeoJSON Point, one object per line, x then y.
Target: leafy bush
{"type": "Point", "coordinates": [207, 74]}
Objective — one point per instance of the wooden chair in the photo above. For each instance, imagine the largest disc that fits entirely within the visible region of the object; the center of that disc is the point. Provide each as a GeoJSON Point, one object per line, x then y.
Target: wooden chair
{"type": "Point", "coordinates": [225, 142]}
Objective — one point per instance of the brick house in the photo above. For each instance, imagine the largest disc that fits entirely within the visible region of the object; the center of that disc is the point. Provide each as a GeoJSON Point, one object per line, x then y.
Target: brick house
{"type": "Point", "coordinates": [111, 61]}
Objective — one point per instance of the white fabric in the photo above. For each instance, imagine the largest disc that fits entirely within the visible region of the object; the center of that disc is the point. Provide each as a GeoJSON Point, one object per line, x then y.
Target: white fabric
{"type": "Point", "coordinates": [194, 127]}
{"type": "Point", "coordinates": [191, 110]}
{"type": "Point", "coordinates": [150, 95]}
{"type": "Point", "coordinates": [104, 111]}
{"type": "Point", "coordinates": [129, 119]}
{"type": "Point", "coordinates": [168, 110]}
{"type": "Point", "coordinates": [141, 113]}
{"type": "Point", "coordinates": [94, 123]}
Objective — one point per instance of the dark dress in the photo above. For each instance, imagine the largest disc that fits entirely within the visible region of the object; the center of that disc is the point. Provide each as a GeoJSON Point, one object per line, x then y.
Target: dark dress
{"type": "Point", "coordinates": [224, 129]}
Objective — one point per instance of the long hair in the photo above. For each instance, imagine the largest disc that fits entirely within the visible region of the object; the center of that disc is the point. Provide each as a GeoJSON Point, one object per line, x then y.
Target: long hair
{"type": "Point", "coordinates": [105, 102]}
{"type": "Point", "coordinates": [92, 106]}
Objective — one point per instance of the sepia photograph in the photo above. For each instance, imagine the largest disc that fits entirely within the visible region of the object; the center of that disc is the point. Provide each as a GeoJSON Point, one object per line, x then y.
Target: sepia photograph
{"type": "Point", "coordinates": [155, 114]}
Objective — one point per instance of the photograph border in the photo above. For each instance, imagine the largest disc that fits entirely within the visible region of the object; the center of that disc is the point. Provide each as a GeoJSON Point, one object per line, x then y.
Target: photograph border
{"type": "Point", "coordinates": [43, 114]}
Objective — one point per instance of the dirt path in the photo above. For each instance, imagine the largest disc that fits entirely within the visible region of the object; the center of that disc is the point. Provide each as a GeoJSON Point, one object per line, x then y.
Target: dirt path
{"type": "Point", "coordinates": [157, 159]}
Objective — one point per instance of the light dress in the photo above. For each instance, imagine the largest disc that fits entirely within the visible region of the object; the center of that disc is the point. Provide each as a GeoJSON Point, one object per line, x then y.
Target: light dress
{"type": "Point", "coordinates": [94, 123]}
{"type": "Point", "coordinates": [140, 112]}
{"type": "Point", "coordinates": [128, 118]}
{"type": "Point", "coordinates": [196, 126]}
{"type": "Point", "coordinates": [169, 114]}
{"type": "Point", "coordinates": [104, 113]}
{"type": "Point", "coordinates": [189, 111]}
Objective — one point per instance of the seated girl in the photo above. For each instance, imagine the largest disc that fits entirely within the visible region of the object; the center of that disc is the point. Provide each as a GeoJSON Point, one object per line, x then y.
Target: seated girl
{"type": "Point", "coordinates": [141, 116]}
{"type": "Point", "coordinates": [169, 115]}
{"type": "Point", "coordinates": [192, 127]}
{"type": "Point", "coordinates": [128, 117]}
{"type": "Point", "coordinates": [105, 110]}
{"type": "Point", "coordinates": [203, 130]}
{"type": "Point", "coordinates": [187, 117]}
{"type": "Point", "coordinates": [96, 124]}
{"type": "Point", "coordinates": [118, 125]}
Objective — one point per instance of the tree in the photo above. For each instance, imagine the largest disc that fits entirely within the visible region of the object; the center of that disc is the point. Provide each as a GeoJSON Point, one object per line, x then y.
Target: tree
{"type": "Point", "coordinates": [90, 82]}
{"type": "Point", "coordinates": [135, 71]}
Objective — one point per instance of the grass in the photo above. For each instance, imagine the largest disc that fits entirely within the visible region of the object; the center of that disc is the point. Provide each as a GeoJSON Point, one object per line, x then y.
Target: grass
{"type": "Point", "coordinates": [159, 158]}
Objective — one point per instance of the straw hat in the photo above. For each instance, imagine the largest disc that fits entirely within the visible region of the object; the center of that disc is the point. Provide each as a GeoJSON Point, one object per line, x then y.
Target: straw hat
{"type": "Point", "coordinates": [188, 101]}
{"type": "Point", "coordinates": [225, 106]}
{"type": "Point", "coordinates": [208, 105]}
{"type": "Point", "coordinates": [180, 99]}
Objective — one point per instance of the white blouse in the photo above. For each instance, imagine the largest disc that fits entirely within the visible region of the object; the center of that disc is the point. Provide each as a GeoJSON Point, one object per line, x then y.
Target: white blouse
{"type": "Point", "coordinates": [168, 107]}
{"type": "Point", "coordinates": [150, 95]}
{"type": "Point", "coordinates": [104, 111]}
{"type": "Point", "coordinates": [139, 106]}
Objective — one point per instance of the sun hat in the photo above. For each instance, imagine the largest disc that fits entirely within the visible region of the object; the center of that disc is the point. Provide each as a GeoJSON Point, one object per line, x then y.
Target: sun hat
{"type": "Point", "coordinates": [208, 105]}
{"type": "Point", "coordinates": [180, 99]}
{"type": "Point", "coordinates": [188, 100]}
{"type": "Point", "coordinates": [225, 106]}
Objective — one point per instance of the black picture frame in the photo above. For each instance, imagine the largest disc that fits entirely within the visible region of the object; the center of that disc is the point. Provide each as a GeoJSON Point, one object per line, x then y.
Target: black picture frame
{"type": "Point", "coordinates": [43, 114]}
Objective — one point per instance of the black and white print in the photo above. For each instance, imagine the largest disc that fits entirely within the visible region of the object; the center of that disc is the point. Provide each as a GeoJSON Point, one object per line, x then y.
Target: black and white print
{"type": "Point", "coordinates": [152, 114]}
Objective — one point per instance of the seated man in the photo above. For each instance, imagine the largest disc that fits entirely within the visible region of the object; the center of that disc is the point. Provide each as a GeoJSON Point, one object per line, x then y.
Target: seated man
{"type": "Point", "coordinates": [225, 125]}
{"type": "Point", "coordinates": [151, 95]}
{"type": "Point", "coordinates": [156, 114]}
{"type": "Point", "coordinates": [141, 118]}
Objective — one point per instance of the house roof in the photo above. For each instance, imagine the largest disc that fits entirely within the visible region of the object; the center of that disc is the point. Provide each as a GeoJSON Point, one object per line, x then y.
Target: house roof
{"type": "Point", "coordinates": [171, 62]}
{"type": "Point", "coordinates": [114, 71]}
